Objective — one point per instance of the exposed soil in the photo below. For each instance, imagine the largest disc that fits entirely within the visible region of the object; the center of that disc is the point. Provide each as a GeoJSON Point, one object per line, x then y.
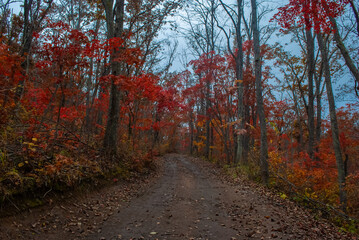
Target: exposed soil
{"type": "Point", "coordinates": [188, 199]}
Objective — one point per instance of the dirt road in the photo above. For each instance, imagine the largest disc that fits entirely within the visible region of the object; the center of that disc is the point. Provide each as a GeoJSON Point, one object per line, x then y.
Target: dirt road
{"type": "Point", "coordinates": [189, 199]}
{"type": "Point", "coordinates": [190, 202]}
{"type": "Point", "coordinates": [185, 203]}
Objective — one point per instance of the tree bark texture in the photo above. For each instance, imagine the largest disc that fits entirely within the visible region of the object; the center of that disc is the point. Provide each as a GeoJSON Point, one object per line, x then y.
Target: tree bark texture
{"type": "Point", "coordinates": [259, 95]}
{"type": "Point", "coordinates": [239, 78]}
{"type": "Point", "coordinates": [310, 112]}
{"type": "Point", "coordinates": [334, 123]}
{"type": "Point", "coordinates": [114, 22]}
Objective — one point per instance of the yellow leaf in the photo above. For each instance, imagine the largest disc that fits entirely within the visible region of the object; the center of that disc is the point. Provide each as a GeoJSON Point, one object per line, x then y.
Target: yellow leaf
{"type": "Point", "coordinates": [34, 139]}
{"type": "Point", "coordinates": [283, 196]}
{"type": "Point", "coordinates": [21, 164]}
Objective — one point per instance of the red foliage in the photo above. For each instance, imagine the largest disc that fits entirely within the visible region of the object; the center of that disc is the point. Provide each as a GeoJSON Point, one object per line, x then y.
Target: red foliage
{"type": "Point", "coordinates": [310, 13]}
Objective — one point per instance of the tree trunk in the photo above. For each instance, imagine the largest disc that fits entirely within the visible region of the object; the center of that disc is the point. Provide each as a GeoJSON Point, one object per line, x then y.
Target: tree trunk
{"type": "Point", "coordinates": [334, 122]}
{"type": "Point", "coordinates": [208, 120]}
{"type": "Point", "coordinates": [259, 92]}
{"type": "Point", "coordinates": [191, 132]}
{"type": "Point", "coordinates": [318, 95]}
{"type": "Point", "coordinates": [211, 45]}
{"type": "Point", "coordinates": [311, 69]}
{"type": "Point", "coordinates": [239, 78]}
{"type": "Point", "coordinates": [114, 29]}
{"type": "Point", "coordinates": [247, 139]}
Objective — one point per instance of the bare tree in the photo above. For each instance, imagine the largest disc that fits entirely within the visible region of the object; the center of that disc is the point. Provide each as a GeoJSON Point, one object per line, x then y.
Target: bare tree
{"type": "Point", "coordinates": [35, 12]}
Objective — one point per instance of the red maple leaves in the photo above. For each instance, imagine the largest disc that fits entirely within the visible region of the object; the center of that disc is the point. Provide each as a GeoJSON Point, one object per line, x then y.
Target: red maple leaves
{"type": "Point", "coordinates": [310, 13]}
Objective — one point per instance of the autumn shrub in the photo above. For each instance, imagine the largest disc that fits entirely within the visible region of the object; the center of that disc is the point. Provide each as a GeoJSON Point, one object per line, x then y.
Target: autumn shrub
{"type": "Point", "coordinates": [69, 170]}
{"type": "Point", "coordinates": [352, 188]}
{"type": "Point", "coordinates": [36, 170]}
{"type": "Point", "coordinates": [142, 162]}
{"type": "Point", "coordinates": [251, 169]}
{"type": "Point", "coordinates": [303, 176]}
{"type": "Point", "coordinates": [313, 183]}
{"type": "Point", "coordinates": [163, 148]}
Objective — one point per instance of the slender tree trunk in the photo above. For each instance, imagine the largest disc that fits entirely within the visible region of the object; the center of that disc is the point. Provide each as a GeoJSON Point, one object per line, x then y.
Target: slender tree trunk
{"type": "Point", "coordinates": [318, 95]}
{"type": "Point", "coordinates": [26, 46]}
{"type": "Point", "coordinates": [201, 130]}
{"type": "Point", "coordinates": [114, 29]}
{"type": "Point", "coordinates": [191, 132]}
{"type": "Point", "coordinates": [211, 46]}
{"type": "Point", "coordinates": [246, 136]}
{"type": "Point", "coordinates": [239, 77]}
{"type": "Point", "coordinates": [259, 95]}
{"type": "Point", "coordinates": [208, 120]}
{"type": "Point", "coordinates": [334, 122]}
{"type": "Point", "coordinates": [247, 139]}
{"type": "Point", "coordinates": [311, 69]}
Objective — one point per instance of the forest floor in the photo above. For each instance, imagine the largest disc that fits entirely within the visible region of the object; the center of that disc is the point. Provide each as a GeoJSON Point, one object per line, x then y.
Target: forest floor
{"type": "Point", "coordinates": [187, 198]}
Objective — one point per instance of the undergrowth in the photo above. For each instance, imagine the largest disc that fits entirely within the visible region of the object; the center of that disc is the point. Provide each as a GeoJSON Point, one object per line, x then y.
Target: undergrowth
{"type": "Point", "coordinates": [28, 181]}
{"type": "Point", "coordinates": [321, 204]}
